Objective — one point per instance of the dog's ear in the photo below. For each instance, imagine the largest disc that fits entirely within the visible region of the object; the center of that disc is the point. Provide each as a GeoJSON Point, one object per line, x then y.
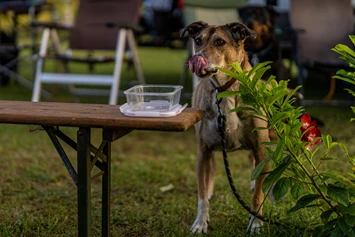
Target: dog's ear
{"type": "Point", "coordinates": [194, 29]}
{"type": "Point", "coordinates": [240, 31]}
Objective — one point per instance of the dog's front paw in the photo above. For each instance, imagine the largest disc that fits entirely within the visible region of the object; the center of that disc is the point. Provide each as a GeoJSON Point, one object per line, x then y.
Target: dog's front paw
{"type": "Point", "coordinates": [202, 219]}
{"type": "Point", "coordinates": [255, 225]}
{"type": "Point", "coordinates": [200, 225]}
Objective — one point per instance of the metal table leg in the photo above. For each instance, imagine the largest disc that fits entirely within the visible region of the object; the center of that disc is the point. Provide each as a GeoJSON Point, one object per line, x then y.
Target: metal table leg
{"type": "Point", "coordinates": [106, 190]}
{"type": "Point", "coordinates": [84, 182]}
{"type": "Point", "coordinates": [89, 156]}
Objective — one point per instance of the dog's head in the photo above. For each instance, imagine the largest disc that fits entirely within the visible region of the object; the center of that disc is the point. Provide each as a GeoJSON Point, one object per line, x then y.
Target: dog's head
{"type": "Point", "coordinates": [262, 21]}
{"type": "Point", "coordinates": [216, 46]}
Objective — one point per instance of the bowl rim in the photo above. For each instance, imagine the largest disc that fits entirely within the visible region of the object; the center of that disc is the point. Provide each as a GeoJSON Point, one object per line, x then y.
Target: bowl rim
{"type": "Point", "coordinates": [131, 90]}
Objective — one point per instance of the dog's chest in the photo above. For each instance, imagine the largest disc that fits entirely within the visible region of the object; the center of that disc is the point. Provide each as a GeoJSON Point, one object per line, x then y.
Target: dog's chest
{"type": "Point", "coordinates": [233, 125]}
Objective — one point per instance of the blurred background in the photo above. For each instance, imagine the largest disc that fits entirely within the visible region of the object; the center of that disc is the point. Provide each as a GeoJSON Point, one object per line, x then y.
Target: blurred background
{"type": "Point", "coordinates": [296, 35]}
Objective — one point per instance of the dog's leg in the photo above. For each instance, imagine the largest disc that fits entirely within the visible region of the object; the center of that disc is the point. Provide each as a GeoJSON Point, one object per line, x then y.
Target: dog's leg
{"type": "Point", "coordinates": [205, 172]}
{"type": "Point", "coordinates": [258, 196]}
{"type": "Point", "coordinates": [212, 174]}
{"type": "Point", "coordinates": [252, 166]}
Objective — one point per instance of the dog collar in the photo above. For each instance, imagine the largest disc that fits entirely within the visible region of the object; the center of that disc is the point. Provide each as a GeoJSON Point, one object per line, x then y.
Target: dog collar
{"type": "Point", "coordinates": [228, 84]}
{"type": "Point", "coordinates": [225, 86]}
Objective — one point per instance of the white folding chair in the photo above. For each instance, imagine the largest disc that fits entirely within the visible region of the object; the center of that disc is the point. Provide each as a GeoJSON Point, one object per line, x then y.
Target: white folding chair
{"type": "Point", "coordinates": [99, 25]}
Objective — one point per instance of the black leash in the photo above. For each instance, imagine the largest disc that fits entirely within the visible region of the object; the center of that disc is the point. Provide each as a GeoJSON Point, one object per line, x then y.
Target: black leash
{"type": "Point", "coordinates": [221, 119]}
{"type": "Point", "coordinates": [221, 128]}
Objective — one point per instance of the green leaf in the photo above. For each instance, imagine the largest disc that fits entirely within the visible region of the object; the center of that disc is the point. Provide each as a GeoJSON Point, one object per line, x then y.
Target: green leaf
{"type": "Point", "coordinates": [350, 220]}
{"type": "Point", "coordinates": [290, 144]}
{"type": "Point", "coordinates": [337, 177]}
{"type": "Point", "coordinates": [296, 127]}
{"type": "Point", "coordinates": [237, 67]}
{"type": "Point", "coordinates": [269, 143]}
{"type": "Point", "coordinates": [343, 209]}
{"type": "Point", "coordinates": [259, 129]}
{"type": "Point", "coordinates": [330, 226]}
{"type": "Point", "coordinates": [351, 193]}
{"type": "Point", "coordinates": [275, 174]}
{"type": "Point", "coordinates": [248, 99]}
{"type": "Point", "coordinates": [352, 38]}
{"type": "Point", "coordinates": [351, 209]}
{"type": "Point", "coordinates": [327, 140]}
{"type": "Point", "coordinates": [258, 75]}
{"type": "Point", "coordinates": [344, 79]}
{"type": "Point", "coordinates": [299, 173]}
{"type": "Point", "coordinates": [337, 194]}
{"type": "Point", "coordinates": [336, 232]}
{"type": "Point", "coordinates": [348, 230]}
{"type": "Point", "coordinates": [297, 190]}
{"type": "Point", "coordinates": [325, 215]}
{"type": "Point", "coordinates": [344, 49]}
{"type": "Point", "coordinates": [259, 168]}
{"type": "Point", "coordinates": [279, 117]}
{"type": "Point", "coordinates": [230, 73]}
{"type": "Point", "coordinates": [279, 150]}
{"type": "Point", "coordinates": [351, 92]}
{"type": "Point", "coordinates": [304, 201]}
{"type": "Point", "coordinates": [258, 67]}
{"type": "Point", "coordinates": [317, 231]}
{"type": "Point", "coordinates": [275, 97]}
{"type": "Point", "coordinates": [281, 187]}
{"type": "Point", "coordinates": [227, 93]}
{"type": "Point", "coordinates": [343, 147]}
{"type": "Point", "coordinates": [291, 93]}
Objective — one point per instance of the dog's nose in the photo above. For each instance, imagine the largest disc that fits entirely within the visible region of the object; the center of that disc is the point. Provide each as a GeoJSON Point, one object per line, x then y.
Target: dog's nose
{"type": "Point", "coordinates": [197, 64]}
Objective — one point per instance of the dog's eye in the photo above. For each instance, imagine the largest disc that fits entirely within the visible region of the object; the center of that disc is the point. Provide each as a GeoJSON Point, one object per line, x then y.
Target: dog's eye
{"type": "Point", "coordinates": [219, 42]}
{"type": "Point", "coordinates": [198, 41]}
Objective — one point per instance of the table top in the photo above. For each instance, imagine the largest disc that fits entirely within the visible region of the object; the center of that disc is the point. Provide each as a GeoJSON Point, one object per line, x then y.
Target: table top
{"type": "Point", "coordinates": [90, 115]}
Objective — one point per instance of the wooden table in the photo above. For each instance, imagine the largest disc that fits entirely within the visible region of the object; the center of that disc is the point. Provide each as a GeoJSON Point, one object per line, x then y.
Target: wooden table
{"type": "Point", "coordinates": [114, 125]}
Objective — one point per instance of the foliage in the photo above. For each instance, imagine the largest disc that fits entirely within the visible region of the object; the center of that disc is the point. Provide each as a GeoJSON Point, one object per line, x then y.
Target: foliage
{"type": "Point", "coordinates": [63, 11]}
{"type": "Point", "coordinates": [348, 55]}
{"type": "Point", "coordinates": [298, 169]}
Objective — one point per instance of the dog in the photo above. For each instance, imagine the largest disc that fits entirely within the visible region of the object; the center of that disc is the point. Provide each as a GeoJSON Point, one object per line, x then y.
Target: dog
{"type": "Point", "coordinates": [265, 21]}
{"type": "Point", "coordinates": [262, 20]}
{"type": "Point", "coordinates": [220, 46]}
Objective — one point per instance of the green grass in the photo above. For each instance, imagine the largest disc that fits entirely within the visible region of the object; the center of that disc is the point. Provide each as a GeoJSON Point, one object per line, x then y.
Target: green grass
{"type": "Point", "coordinates": [38, 198]}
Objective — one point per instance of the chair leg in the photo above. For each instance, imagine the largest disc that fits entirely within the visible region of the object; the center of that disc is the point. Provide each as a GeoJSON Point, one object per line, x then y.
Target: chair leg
{"type": "Point", "coordinates": [120, 48]}
{"type": "Point", "coordinates": [42, 52]}
{"type": "Point", "coordinates": [331, 91]}
{"type": "Point", "coordinates": [136, 61]}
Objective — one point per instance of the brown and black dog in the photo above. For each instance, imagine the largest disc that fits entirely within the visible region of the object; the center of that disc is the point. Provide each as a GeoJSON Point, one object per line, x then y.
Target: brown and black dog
{"type": "Point", "coordinates": [272, 28]}
{"type": "Point", "coordinates": [220, 46]}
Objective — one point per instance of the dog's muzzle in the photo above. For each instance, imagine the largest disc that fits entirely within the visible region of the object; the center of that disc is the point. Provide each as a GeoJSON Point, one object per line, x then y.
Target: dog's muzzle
{"type": "Point", "coordinates": [199, 66]}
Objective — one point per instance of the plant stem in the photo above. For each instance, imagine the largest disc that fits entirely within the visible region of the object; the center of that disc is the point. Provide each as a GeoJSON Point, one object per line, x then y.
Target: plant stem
{"type": "Point", "coordinates": [294, 156]}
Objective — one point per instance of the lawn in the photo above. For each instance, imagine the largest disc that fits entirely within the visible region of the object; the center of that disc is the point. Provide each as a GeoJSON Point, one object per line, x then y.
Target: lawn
{"type": "Point", "coordinates": [38, 198]}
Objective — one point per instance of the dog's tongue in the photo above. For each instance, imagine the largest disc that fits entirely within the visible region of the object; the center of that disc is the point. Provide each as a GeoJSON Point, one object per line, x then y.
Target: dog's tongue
{"type": "Point", "coordinates": [197, 65]}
